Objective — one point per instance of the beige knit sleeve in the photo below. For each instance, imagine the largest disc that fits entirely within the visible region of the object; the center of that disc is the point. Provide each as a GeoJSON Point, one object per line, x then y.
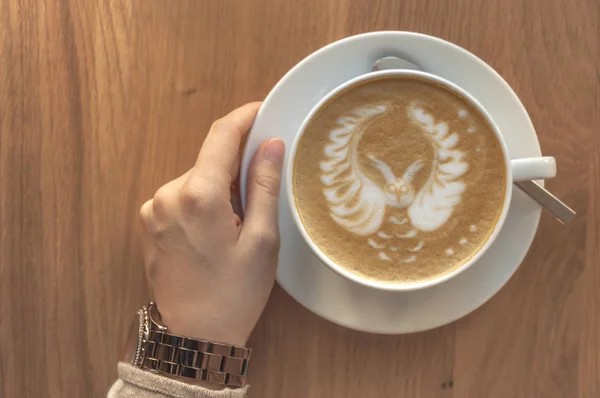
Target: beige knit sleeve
{"type": "Point", "coordinates": [134, 382]}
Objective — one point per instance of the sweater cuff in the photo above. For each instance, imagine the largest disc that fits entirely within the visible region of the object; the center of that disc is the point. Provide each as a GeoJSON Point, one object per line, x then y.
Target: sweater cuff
{"type": "Point", "coordinates": [135, 382]}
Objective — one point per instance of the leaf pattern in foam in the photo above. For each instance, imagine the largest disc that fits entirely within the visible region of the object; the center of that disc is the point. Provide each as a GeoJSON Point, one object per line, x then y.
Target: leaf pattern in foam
{"type": "Point", "coordinates": [354, 201]}
{"type": "Point", "coordinates": [436, 201]}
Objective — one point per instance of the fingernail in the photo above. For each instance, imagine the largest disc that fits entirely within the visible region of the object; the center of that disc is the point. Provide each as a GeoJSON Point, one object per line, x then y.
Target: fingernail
{"type": "Point", "coordinates": [274, 151]}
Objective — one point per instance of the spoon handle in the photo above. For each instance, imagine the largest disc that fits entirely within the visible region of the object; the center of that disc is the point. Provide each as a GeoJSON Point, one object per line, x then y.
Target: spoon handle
{"type": "Point", "coordinates": [558, 209]}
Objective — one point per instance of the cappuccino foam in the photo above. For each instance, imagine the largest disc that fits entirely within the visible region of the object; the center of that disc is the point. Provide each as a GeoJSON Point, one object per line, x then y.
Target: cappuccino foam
{"type": "Point", "coordinates": [399, 179]}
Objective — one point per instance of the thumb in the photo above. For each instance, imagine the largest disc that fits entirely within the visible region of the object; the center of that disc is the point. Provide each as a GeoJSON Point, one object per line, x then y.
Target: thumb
{"type": "Point", "coordinates": [264, 180]}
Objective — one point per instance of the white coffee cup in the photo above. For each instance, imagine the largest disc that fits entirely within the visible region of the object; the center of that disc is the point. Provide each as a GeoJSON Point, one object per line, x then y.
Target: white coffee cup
{"type": "Point", "coordinates": [536, 168]}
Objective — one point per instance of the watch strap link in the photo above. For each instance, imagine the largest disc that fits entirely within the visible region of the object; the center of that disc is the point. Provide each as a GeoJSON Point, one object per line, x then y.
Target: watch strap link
{"type": "Point", "coordinates": [195, 359]}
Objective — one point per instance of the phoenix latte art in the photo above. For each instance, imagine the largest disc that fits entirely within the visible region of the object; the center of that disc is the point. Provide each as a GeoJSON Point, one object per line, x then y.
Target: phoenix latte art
{"type": "Point", "coordinates": [399, 179]}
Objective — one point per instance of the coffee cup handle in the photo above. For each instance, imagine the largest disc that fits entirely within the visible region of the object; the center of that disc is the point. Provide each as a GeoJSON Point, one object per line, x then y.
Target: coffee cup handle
{"type": "Point", "coordinates": [539, 168]}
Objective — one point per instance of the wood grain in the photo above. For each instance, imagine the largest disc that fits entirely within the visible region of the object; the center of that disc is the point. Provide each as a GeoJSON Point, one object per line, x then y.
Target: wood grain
{"type": "Point", "coordinates": [103, 102]}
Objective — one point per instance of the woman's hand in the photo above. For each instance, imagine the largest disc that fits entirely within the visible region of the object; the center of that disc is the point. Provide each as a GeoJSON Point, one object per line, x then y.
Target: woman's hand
{"type": "Point", "coordinates": [210, 273]}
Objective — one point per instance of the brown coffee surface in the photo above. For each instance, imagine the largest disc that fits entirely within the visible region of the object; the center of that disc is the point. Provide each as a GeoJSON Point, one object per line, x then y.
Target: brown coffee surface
{"type": "Point", "coordinates": [399, 179]}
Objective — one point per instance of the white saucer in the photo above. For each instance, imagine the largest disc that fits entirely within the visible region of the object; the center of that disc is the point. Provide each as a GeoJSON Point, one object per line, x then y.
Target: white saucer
{"type": "Point", "coordinates": [344, 302]}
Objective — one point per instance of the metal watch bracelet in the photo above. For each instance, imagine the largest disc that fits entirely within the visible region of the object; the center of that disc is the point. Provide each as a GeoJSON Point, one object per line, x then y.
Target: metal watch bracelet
{"type": "Point", "coordinates": [200, 360]}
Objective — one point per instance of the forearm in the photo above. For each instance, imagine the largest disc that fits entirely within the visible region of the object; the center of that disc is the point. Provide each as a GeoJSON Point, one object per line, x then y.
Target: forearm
{"type": "Point", "coordinates": [134, 382]}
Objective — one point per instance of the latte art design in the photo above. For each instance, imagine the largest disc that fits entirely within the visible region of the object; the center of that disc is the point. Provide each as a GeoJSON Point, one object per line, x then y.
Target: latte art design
{"type": "Point", "coordinates": [367, 208]}
{"type": "Point", "coordinates": [398, 179]}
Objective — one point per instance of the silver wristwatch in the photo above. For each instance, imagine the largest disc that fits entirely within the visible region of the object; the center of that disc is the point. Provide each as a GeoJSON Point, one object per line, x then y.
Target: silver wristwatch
{"type": "Point", "coordinates": [151, 347]}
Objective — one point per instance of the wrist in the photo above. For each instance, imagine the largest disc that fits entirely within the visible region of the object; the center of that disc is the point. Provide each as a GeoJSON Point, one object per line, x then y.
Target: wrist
{"type": "Point", "coordinates": [209, 326]}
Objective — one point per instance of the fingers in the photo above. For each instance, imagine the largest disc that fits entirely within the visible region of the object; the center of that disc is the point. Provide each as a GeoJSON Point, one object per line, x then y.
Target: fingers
{"type": "Point", "coordinates": [168, 196]}
{"type": "Point", "coordinates": [206, 187]}
{"type": "Point", "coordinates": [147, 214]}
{"type": "Point", "coordinates": [163, 203]}
{"type": "Point", "coordinates": [218, 160]}
{"type": "Point", "coordinates": [236, 200]}
{"type": "Point", "coordinates": [264, 181]}
{"type": "Point", "coordinates": [149, 223]}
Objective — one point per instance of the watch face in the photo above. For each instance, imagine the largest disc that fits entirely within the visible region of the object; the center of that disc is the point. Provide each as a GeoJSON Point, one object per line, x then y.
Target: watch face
{"type": "Point", "coordinates": [134, 340]}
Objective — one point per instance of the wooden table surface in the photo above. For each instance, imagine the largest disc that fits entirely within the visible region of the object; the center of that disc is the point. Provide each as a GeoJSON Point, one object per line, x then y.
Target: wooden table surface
{"type": "Point", "coordinates": [103, 102]}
